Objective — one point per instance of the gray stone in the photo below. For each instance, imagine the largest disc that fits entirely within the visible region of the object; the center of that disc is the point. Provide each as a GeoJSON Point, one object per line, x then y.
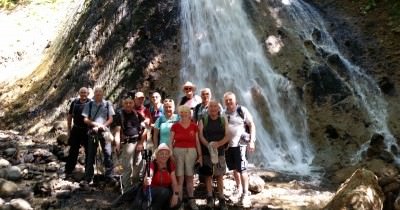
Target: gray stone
{"type": "Point", "coordinates": [52, 167]}
{"type": "Point", "coordinates": [7, 188]}
{"type": "Point", "coordinates": [4, 163]}
{"type": "Point", "coordinates": [10, 152]}
{"type": "Point", "coordinates": [14, 173]}
{"type": "Point", "coordinates": [3, 173]}
{"type": "Point", "coordinates": [20, 204]}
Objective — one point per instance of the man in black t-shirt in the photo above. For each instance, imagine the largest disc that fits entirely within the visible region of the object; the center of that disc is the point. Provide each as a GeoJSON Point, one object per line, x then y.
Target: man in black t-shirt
{"type": "Point", "coordinates": [128, 134]}
{"type": "Point", "coordinates": [78, 133]}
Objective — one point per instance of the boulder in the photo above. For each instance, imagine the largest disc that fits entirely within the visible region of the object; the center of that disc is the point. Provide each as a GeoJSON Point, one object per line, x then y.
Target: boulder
{"type": "Point", "coordinates": [62, 139]}
{"type": "Point", "coordinates": [4, 163]}
{"type": "Point", "coordinates": [10, 152]}
{"type": "Point", "coordinates": [361, 191]}
{"type": "Point", "coordinates": [7, 188]}
{"type": "Point", "coordinates": [20, 204]}
{"type": "Point", "coordinates": [14, 173]}
{"type": "Point", "coordinates": [256, 183]}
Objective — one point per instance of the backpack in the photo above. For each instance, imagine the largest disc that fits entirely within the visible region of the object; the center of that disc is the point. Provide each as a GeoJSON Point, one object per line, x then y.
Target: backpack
{"type": "Point", "coordinates": [196, 111]}
{"type": "Point", "coordinates": [241, 114]}
{"type": "Point", "coordinates": [205, 121]}
{"type": "Point", "coordinates": [122, 117]}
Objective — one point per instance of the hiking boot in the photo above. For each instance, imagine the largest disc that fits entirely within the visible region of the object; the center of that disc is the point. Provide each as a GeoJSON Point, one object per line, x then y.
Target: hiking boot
{"type": "Point", "coordinates": [193, 205]}
{"type": "Point", "coordinates": [84, 185]}
{"type": "Point", "coordinates": [246, 202]}
{"type": "Point", "coordinates": [69, 177]}
{"type": "Point", "coordinates": [210, 202]}
{"type": "Point", "coordinates": [222, 204]}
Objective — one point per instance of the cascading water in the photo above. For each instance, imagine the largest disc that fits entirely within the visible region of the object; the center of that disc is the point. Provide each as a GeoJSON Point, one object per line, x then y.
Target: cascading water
{"type": "Point", "coordinates": [221, 52]}
{"type": "Point", "coordinates": [306, 21]}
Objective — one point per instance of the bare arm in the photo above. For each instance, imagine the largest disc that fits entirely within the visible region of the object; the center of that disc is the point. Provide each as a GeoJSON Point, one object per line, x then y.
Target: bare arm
{"type": "Point", "coordinates": [69, 122]}
{"type": "Point", "coordinates": [201, 135]}
{"type": "Point", "coordinates": [155, 137]}
{"type": "Point", "coordinates": [117, 138]}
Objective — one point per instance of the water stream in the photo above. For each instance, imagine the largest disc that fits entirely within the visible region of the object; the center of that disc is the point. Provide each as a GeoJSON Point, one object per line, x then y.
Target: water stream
{"type": "Point", "coordinates": [364, 88]}
{"type": "Point", "coordinates": [220, 51]}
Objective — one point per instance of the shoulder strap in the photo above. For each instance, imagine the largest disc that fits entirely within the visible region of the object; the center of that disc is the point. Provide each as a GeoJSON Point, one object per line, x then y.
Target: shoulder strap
{"type": "Point", "coordinates": [205, 120]}
{"type": "Point", "coordinates": [73, 104]}
{"type": "Point", "coordinates": [108, 108]}
{"type": "Point", "coordinates": [122, 118]}
{"type": "Point", "coordinates": [90, 110]}
{"type": "Point", "coordinates": [240, 111]}
{"type": "Point", "coordinates": [196, 111]}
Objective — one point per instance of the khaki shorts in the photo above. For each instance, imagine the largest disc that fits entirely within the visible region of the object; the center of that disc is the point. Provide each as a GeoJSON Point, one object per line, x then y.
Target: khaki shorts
{"type": "Point", "coordinates": [218, 169]}
{"type": "Point", "coordinates": [185, 159]}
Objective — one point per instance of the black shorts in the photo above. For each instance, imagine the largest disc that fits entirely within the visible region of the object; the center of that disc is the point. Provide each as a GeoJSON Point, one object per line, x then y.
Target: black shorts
{"type": "Point", "coordinates": [236, 158]}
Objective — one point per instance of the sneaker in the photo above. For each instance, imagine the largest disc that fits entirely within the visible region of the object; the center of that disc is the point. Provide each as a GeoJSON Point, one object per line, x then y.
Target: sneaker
{"type": "Point", "coordinates": [222, 204]}
{"type": "Point", "coordinates": [210, 202]}
{"type": "Point", "coordinates": [193, 205]}
{"type": "Point", "coordinates": [246, 202]}
{"type": "Point", "coordinates": [235, 196]}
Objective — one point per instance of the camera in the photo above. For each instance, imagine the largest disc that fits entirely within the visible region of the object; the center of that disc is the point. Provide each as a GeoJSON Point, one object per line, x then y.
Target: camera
{"type": "Point", "coordinates": [147, 154]}
{"type": "Point", "coordinates": [245, 138]}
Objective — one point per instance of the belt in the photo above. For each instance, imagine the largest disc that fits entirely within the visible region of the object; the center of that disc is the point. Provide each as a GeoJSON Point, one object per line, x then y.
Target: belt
{"type": "Point", "coordinates": [130, 139]}
{"type": "Point", "coordinates": [81, 127]}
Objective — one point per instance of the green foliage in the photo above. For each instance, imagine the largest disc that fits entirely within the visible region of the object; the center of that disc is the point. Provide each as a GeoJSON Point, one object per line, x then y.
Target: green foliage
{"type": "Point", "coordinates": [371, 4]}
{"type": "Point", "coordinates": [10, 4]}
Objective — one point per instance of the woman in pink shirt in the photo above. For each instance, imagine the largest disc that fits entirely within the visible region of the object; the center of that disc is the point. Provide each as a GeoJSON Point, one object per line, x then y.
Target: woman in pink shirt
{"type": "Point", "coordinates": [186, 150]}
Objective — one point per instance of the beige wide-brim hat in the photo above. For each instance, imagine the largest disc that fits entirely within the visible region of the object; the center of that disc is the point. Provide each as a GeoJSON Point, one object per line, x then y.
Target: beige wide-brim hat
{"type": "Point", "coordinates": [189, 84]}
{"type": "Point", "coordinates": [163, 146]}
{"type": "Point", "coordinates": [139, 95]}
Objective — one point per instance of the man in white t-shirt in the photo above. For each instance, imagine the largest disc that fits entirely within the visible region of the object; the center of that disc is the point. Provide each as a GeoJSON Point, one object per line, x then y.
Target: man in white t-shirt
{"type": "Point", "coordinates": [240, 143]}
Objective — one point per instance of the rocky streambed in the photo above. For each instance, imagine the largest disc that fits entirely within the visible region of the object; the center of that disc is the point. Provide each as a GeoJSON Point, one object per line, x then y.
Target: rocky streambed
{"type": "Point", "coordinates": [31, 177]}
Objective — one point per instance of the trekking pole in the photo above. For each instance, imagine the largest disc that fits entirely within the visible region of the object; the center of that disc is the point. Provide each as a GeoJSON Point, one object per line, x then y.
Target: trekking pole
{"type": "Point", "coordinates": [148, 154]}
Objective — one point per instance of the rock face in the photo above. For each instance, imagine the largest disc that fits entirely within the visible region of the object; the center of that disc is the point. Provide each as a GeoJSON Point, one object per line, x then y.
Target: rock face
{"type": "Point", "coordinates": [361, 191]}
{"type": "Point", "coordinates": [137, 46]}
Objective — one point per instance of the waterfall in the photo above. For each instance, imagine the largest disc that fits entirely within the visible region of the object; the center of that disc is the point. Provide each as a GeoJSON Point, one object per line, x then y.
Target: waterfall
{"type": "Point", "coordinates": [221, 52]}
{"type": "Point", "coordinates": [364, 88]}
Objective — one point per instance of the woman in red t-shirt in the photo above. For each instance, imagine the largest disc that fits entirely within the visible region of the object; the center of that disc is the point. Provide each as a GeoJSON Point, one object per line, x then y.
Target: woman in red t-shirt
{"type": "Point", "coordinates": [161, 183]}
{"type": "Point", "coordinates": [187, 151]}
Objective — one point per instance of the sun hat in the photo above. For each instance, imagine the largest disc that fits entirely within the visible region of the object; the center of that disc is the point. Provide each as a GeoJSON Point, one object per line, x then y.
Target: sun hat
{"type": "Point", "coordinates": [139, 95]}
{"type": "Point", "coordinates": [163, 146]}
{"type": "Point", "coordinates": [213, 152]}
{"type": "Point", "coordinates": [189, 84]}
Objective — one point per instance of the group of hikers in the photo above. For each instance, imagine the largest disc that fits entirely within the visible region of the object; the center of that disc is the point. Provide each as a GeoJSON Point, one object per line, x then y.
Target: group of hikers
{"type": "Point", "coordinates": [202, 137]}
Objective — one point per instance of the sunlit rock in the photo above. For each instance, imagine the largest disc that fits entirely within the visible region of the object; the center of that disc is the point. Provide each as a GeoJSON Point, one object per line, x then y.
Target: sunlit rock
{"type": "Point", "coordinates": [7, 188]}
{"type": "Point", "coordinates": [361, 191]}
{"type": "Point", "coordinates": [20, 204]}
{"type": "Point", "coordinates": [4, 163]}
{"type": "Point", "coordinates": [256, 183]}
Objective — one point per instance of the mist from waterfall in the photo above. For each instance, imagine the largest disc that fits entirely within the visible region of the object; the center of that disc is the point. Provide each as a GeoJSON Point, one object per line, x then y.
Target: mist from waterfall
{"type": "Point", "coordinates": [307, 21]}
{"type": "Point", "coordinates": [221, 52]}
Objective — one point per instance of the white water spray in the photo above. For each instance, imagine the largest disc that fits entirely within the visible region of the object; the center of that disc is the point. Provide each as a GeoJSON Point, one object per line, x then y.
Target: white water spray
{"type": "Point", "coordinates": [221, 52]}
{"type": "Point", "coordinates": [364, 87]}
